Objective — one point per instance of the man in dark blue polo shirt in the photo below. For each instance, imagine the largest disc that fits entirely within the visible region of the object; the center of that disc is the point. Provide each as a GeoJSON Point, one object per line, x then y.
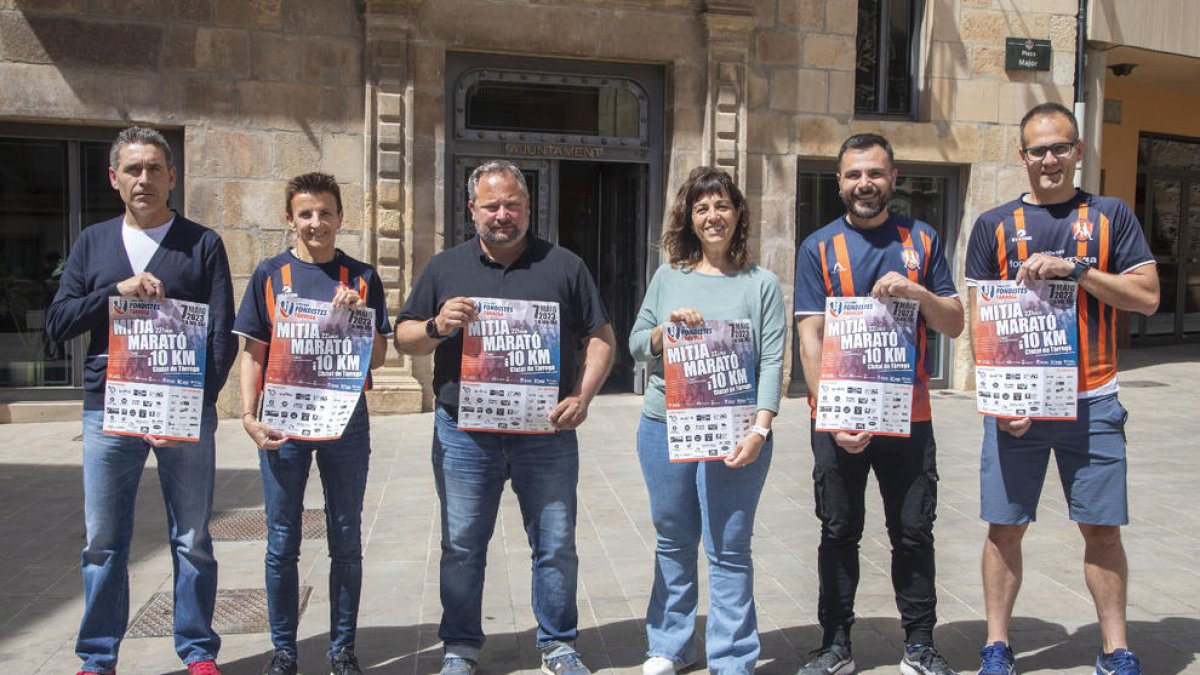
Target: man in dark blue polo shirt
{"type": "Point", "coordinates": [506, 261]}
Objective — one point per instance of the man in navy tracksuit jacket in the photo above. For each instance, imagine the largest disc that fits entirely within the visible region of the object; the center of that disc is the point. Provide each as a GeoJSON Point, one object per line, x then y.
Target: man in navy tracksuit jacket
{"type": "Point", "coordinates": [149, 252]}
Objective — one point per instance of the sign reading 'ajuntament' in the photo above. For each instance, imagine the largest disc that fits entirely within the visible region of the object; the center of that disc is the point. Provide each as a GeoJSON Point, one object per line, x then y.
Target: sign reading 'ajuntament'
{"type": "Point", "coordinates": [546, 150]}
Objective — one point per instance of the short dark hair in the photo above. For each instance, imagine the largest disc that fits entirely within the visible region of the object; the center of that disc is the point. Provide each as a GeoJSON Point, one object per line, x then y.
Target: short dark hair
{"type": "Point", "coordinates": [1048, 110]}
{"type": "Point", "coordinates": [495, 166]}
{"type": "Point", "coordinates": [138, 136]}
{"type": "Point", "coordinates": [313, 183]}
{"type": "Point", "coordinates": [680, 242]}
{"type": "Point", "coordinates": [865, 142]}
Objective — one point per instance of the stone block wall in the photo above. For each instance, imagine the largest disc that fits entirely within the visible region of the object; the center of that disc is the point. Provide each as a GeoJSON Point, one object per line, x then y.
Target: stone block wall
{"type": "Point", "coordinates": [262, 89]}
{"type": "Point", "coordinates": [265, 89]}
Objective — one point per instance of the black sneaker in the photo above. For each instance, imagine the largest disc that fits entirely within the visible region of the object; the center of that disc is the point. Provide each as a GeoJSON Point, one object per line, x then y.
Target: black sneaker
{"type": "Point", "coordinates": [344, 663]}
{"type": "Point", "coordinates": [832, 660]}
{"type": "Point", "coordinates": [281, 664]}
{"type": "Point", "coordinates": [924, 659]}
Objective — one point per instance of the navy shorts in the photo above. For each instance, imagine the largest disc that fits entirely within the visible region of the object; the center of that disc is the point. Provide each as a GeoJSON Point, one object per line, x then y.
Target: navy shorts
{"type": "Point", "coordinates": [1090, 452]}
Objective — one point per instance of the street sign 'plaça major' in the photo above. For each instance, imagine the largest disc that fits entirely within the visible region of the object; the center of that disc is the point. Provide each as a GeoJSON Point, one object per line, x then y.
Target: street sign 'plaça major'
{"type": "Point", "coordinates": [1026, 54]}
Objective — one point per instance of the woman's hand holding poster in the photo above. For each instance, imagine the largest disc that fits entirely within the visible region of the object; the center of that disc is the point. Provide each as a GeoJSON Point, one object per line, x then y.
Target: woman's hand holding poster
{"type": "Point", "coordinates": [710, 387]}
{"type": "Point", "coordinates": [317, 366]}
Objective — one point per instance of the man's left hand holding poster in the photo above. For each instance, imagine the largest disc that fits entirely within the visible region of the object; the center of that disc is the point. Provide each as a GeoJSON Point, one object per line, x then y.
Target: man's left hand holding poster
{"type": "Point", "coordinates": [155, 375]}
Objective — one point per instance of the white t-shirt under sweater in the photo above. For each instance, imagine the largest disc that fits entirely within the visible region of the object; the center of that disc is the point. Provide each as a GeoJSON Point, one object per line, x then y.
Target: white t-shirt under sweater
{"type": "Point", "coordinates": [140, 244]}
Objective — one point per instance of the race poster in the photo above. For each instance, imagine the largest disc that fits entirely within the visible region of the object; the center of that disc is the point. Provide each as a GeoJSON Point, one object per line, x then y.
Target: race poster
{"type": "Point", "coordinates": [510, 367]}
{"type": "Point", "coordinates": [1026, 349]}
{"type": "Point", "coordinates": [316, 368]}
{"type": "Point", "coordinates": [710, 388]}
{"type": "Point", "coordinates": [868, 366]}
{"type": "Point", "coordinates": [156, 354]}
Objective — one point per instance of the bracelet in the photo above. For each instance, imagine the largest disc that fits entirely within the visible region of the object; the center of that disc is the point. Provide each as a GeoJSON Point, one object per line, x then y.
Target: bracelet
{"type": "Point", "coordinates": [252, 415]}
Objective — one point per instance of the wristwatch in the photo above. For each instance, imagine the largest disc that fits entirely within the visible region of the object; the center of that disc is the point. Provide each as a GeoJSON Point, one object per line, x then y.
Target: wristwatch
{"type": "Point", "coordinates": [1080, 268]}
{"type": "Point", "coordinates": [761, 431]}
{"type": "Point", "coordinates": [432, 331]}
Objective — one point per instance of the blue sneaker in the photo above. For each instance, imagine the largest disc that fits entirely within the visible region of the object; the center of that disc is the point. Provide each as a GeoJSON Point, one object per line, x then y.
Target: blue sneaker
{"type": "Point", "coordinates": [1120, 662]}
{"type": "Point", "coordinates": [567, 664]}
{"type": "Point", "coordinates": [997, 659]}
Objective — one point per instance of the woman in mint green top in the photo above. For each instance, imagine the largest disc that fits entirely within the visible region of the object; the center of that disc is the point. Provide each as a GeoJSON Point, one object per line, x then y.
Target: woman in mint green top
{"type": "Point", "coordinates": [709, 276]}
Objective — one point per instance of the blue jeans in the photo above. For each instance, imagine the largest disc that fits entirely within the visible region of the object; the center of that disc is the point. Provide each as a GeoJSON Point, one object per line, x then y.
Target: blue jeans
{"type": "Point", "coordinates": [112, 469]}
{"type": "Point", "coordinates": [470, 468]}
{"type": "Point", "coordinates": [690, 501]}
{"type": "Point", "coordinates": [343, 466]}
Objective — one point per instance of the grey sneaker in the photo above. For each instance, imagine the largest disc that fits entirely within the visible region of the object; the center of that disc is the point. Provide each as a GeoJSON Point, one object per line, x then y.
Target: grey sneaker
{"type": "Point", "coordinates": [453, 665]}
{"type": "Point", "coordinates": [567, 664]}
{"type": "Point", "coordinates": [344, 663]}
{"type": "Point", "coordinates": [281, 664]}
{"type": "Point", "coordinates": [832, 660]}
{"type": "Point", "coordinates": [924, 659]}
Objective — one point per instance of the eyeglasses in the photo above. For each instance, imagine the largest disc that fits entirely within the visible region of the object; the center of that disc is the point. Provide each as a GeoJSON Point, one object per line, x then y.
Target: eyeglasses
{"type": "Point", "coordinates": [1060, 150]}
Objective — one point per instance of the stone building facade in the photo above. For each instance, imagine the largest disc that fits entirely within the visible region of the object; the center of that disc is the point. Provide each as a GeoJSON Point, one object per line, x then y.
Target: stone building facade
{"type": "Point", "coordinates": [381, 93]}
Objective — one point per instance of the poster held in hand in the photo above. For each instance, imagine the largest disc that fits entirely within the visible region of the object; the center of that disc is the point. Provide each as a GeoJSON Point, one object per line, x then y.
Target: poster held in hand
{"type": "Point", "coordinates": [868, 366]}
{"type": "Point", "coordinates": [1026, 349]}
{"type": "Point", "coordinates": [156, 361]}
{"type": "Point", "coordinates": [316, 367]}
{"type": "Point", "coordinates": [711, 388]}
{"type": "Point", "coordinates": [510, 367]}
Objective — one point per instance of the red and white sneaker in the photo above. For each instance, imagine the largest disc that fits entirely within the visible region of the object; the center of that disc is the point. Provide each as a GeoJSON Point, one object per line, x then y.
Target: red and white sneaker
{"type": "Point", "coordinates": [208, 667]}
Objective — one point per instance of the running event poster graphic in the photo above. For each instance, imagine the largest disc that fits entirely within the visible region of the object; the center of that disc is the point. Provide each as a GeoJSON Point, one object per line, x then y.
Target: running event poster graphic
{"type": "Point", "coordinates": [316, 368]}
{"type": "Point", "coordinates": [1026, 349]}
{"type": "Point", "coordinates": [156, 357]}
{"type": "Point", "coordinates": [868, 366]}
{"type": "Point", "coordinates": [510, 367]}
{"type": "Point", "coordinates": [711, 387]}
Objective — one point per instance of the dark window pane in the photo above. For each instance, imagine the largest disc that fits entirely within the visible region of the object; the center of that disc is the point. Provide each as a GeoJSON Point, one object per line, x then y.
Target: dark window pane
{"type": "Point", "coordinates": [866, 81]}
{"type": "Point", "coordinates": [899, 84]}
{"type": "Point", "coordinates": [611, 111]}
{"type": "Point", "coordinates": [33, 246]}
{"type": "Point", "coordinates": [887, 31]}
{"type": "Point", "coordinates": [99, 200]}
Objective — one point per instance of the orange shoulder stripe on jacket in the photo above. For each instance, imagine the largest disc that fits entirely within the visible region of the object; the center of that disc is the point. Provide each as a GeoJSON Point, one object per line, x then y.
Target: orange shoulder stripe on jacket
{"type": "Point", "coordinates": [1001, 252]}
{"type": "Point", "coordinates": [270, 298]}
{"type": "Point", "coordinates": [825, 269]}
{"type": "Point", "coordinates": [845, 278]}
{"type": "Point", "coordinates": [907, 242]}
{"type": "Point", "coordinates": [928, 244]}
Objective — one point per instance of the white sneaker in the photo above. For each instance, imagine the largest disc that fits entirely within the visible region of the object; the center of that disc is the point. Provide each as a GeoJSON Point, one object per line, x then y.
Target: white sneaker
{"type": "Point", "coordinates": [659, 665]}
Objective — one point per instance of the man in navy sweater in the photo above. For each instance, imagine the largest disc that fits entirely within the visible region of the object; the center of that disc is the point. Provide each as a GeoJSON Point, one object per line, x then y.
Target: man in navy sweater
{"type": "Point", "coordinates": [149, 252]}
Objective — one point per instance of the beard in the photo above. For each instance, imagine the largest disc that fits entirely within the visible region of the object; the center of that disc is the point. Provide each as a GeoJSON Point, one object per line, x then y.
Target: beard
{"type": "Point", "coordinates": [491, 236]}
{"type": "Point", "coordinates": [867, 209]}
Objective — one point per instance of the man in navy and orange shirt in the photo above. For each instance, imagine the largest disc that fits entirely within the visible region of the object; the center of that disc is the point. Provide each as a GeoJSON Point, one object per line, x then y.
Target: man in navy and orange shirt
{"type": "Point", "coordinates": [871, 251]}
{"type": "Point", "coordinates": [1056, 231]}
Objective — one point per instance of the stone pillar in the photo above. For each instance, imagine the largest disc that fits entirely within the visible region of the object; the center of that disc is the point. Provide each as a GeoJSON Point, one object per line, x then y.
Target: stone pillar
{"type": "Point", "coordinates": [728, 25]}
{"type": "Point", "coordinates": [387, 181]}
